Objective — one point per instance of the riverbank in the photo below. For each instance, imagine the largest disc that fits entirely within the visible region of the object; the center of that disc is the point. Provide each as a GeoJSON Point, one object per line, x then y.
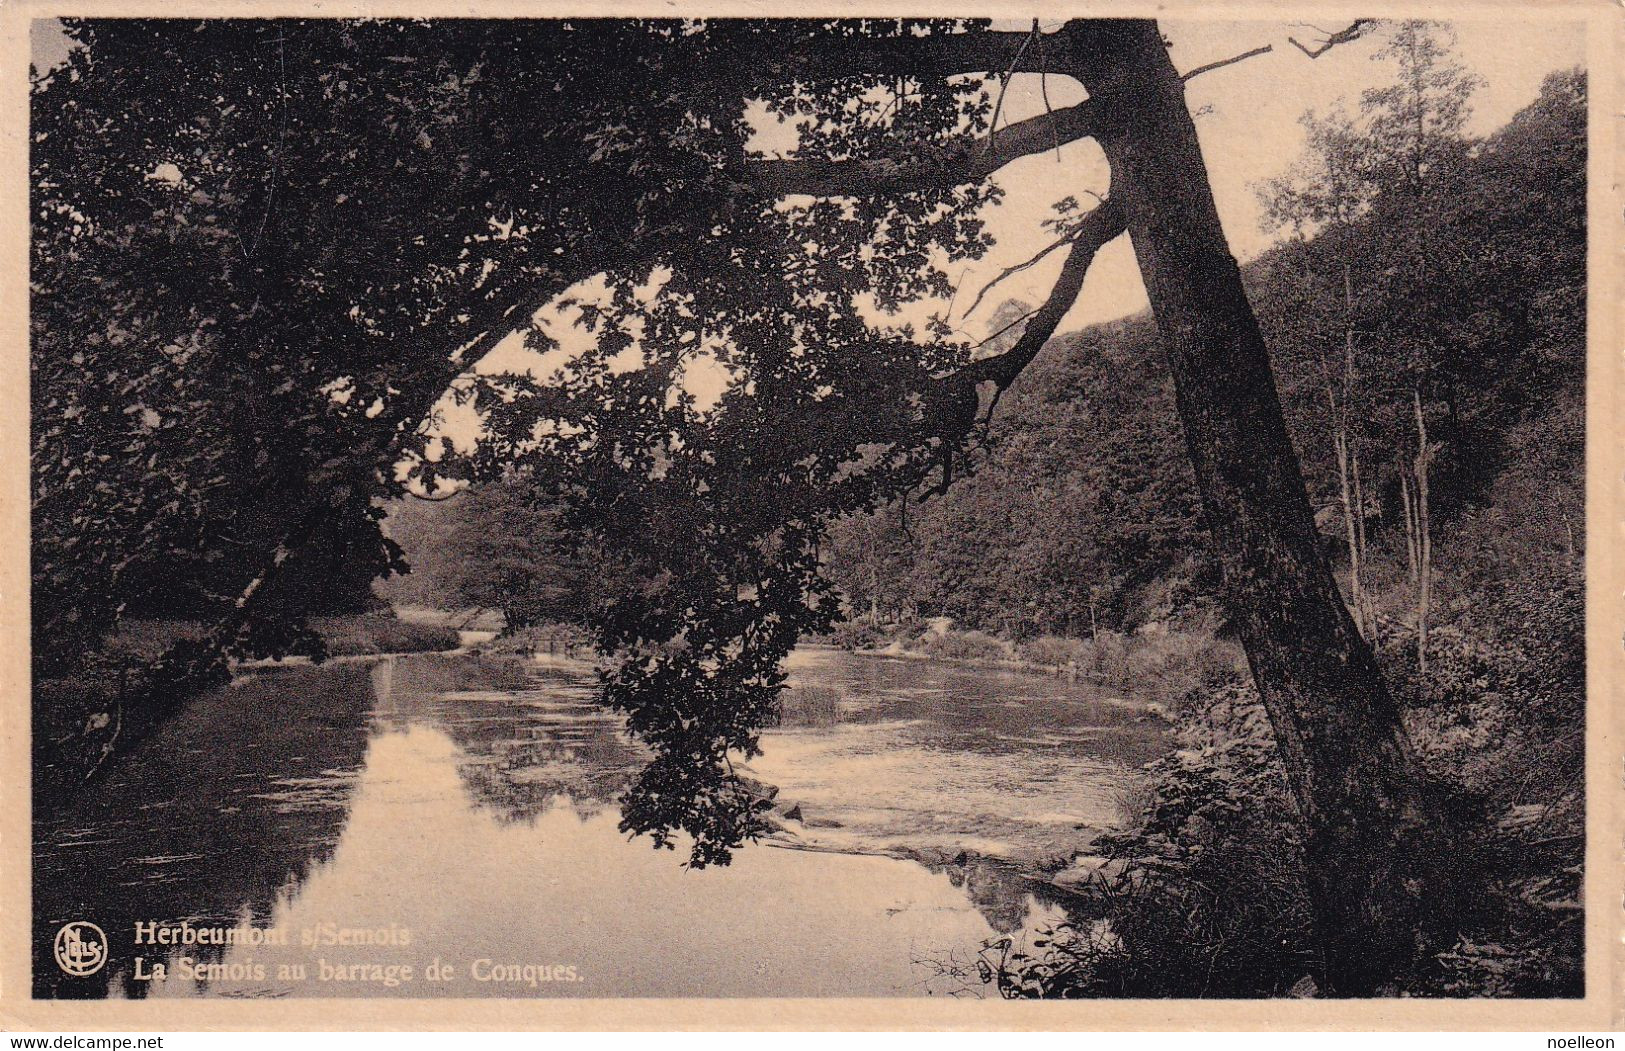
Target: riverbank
{"type": "Point", "coordinates": [1207, 878]}
{"type": "Point", "coordinates": [1168, 670]}
{"type": "Point", "coordinates": [80, 722]}
{"type": "Point", "coordinates": [142, 641]}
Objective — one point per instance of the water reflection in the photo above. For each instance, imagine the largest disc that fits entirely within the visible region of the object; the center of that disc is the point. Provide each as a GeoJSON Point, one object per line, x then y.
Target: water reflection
{"type": "Point", "coordinates": [216, 814]}
{"type": "Point", "coordinates": [527, 734]}
{"type": "Point", "coordinates": [468, 804]}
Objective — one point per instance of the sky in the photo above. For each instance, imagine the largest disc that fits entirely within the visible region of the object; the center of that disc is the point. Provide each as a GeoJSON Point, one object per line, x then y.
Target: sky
{"type": "Point", "coordinates": [1247, 117]}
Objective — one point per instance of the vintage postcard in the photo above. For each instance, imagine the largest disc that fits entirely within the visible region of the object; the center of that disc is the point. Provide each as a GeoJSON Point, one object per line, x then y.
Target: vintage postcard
{"type": "Point", "coordinates": [540, 516]}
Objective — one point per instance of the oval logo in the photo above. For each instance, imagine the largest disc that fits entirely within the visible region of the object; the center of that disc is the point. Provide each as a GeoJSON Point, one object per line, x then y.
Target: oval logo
{"type": "Point", "coordinates": [80, 948]}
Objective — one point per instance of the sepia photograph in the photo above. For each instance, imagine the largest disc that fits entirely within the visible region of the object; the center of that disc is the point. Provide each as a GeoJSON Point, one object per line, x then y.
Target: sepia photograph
{"type": "Point", "coordinates": [1052, 505]}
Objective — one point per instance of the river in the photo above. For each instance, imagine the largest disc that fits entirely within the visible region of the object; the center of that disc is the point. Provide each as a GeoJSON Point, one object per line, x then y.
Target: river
{"type": "Point", "coordinates": [456, 815]}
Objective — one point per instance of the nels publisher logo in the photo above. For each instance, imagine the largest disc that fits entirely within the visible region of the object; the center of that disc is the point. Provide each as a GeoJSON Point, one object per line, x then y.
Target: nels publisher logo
{"type": "Point", "coordinates": [81, 948]}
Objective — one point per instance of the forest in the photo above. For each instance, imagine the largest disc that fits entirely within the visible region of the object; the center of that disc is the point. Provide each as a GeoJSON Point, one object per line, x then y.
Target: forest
{"type": "Point", "coordinates": [1084, 516]}
{"type": "Point", "coordinates": [1329, 505]}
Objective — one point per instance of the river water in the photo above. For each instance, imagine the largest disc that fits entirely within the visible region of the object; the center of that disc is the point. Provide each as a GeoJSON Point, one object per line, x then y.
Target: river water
{"type": "Point", "coordinates": [456, 815]}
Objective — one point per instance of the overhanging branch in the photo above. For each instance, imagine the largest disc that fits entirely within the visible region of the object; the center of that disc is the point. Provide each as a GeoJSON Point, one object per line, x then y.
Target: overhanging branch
{"type": "Point", "coordinates": [1097, 229]}
{"type": "Point", "coordinates": [1353, 31]}
{"type": "Point", "coordinates": [951, 407]}
{"type": "Point", "coordinates": [1232, 60]}
{"type": "Point", "coordinates": [1014, 269]}
{"type": "Point", "coordinates": [967, 163]}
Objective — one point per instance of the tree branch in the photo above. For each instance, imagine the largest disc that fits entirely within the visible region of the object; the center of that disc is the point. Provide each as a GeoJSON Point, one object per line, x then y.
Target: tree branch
{"type": "Point", "coordinates": [950, 408]}
{"type": "Point", "coordinates": [431, 498]}
{"type": "Point", "coordinates": [1354, 31]}
{"type": "Point", "coordinates": [1014, 269]}
{"type": "Point", "coordinates": [1004, 82]}
{"type": "Point", "coordinates": [1099, 227]}
{"type": "Point", "coordinates": [967, 163]}
{"type": "Point", "coordinates": [1221, 63]}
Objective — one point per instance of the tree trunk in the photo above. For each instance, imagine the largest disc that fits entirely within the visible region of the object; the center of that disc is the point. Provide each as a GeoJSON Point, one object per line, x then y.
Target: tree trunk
{"type": "Point", "coordinates": [1337, 727]}
{"type": "Point", "coordinates": [1424, 540]}
{"type": "Point", "coordinates": [1348, 463]}
{"type": "Point", "coordinates": [1373, 631]}
{"type": "Point", "coordinates": [874, 574]}
{"type": "Point", "coordinates": [1407, 500]}
{"type": "Point", "coordinates": [1340, 447]}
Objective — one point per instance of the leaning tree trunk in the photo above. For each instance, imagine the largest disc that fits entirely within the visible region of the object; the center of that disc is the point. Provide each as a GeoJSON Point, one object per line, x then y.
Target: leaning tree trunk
{"type": "Point", "coordinates": [1336, 725]}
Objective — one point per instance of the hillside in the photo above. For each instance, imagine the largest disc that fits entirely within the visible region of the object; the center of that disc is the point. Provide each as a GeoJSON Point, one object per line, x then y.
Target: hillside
{"type": "Point", "coordinates": [1083, 511]}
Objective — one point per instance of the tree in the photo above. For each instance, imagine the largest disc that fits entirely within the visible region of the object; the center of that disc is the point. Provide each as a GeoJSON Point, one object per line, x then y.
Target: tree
{"type": "Point", "coordinates": [1416, 129]}
{"type": "Point", "coordinates": [500, 546]}
{"type": "Point", "coordinates": [1335, 723]}
{"type": "Point", "coordinates": [1327, 194]}
{"type": "Point", "coordinates": [486, 182]}
{"type": "Point", "coordinates": [1393, 161]}
{"type": "Point", "coordinates": [869, 559]}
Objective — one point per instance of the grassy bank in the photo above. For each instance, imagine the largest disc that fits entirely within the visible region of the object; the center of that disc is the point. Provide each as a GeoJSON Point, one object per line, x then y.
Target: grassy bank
{"type": "Point", "coordinates": [562, 641]}
{"type": "Point", "coordinates": [370, 633]}
{"type": "Point", "coordinates": [141, 641]}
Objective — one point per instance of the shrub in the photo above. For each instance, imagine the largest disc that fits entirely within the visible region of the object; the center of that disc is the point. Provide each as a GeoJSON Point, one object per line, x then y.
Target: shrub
{"type": "Point", "coordinates": [1134, 798]}
{"type": "Point", "coordinates": [1108, 659]}
{"type": "Point", "coordinates": [1204, 896]}
{"type": "Point", "coordinates": [853, 635]}
{"type": "Point", "coordinates": [564, 640]}
{"type": "Point", "coordinates": [1176, 670]}
{"type": "Point", "coordinates": [1179, 670]}
{"type": "Point", "coordinates": [369, 634]}
{"type": "Point", "coordinates": [143, 640]}
{"type": "Point", "coordinates": [964, 645]}
{"type": "Point", "coordinates": [1055, 652]}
